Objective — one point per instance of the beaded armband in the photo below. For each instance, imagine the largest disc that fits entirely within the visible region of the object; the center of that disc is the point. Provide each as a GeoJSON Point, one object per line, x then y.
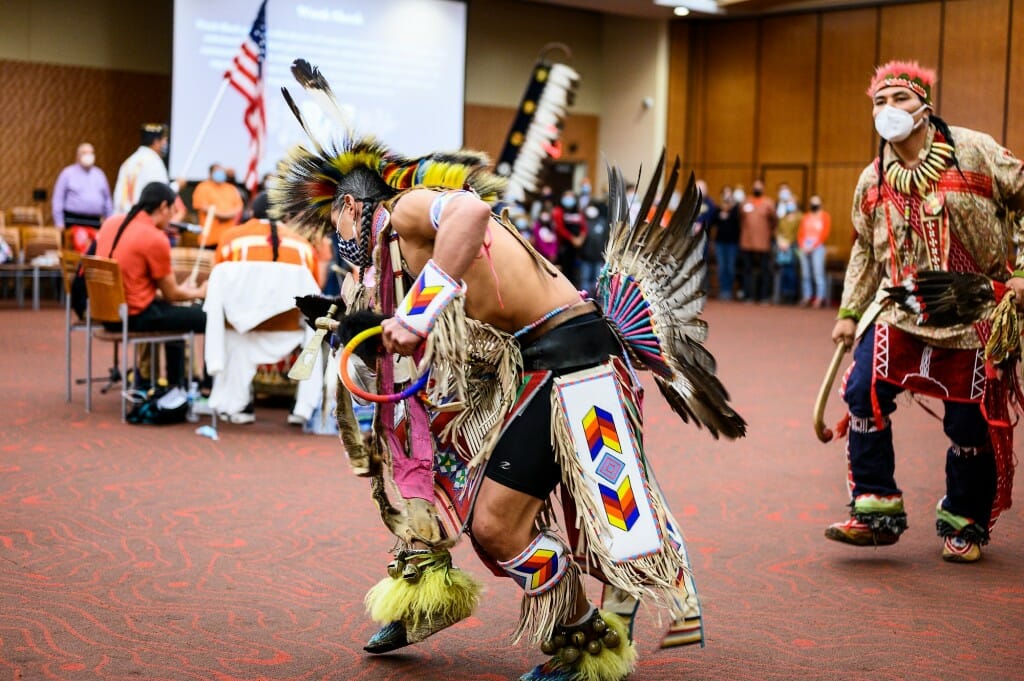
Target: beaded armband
{"type": "Point", "coordinates": [429, 295]}
{"type": "Point", "coordinates": [540, 566]}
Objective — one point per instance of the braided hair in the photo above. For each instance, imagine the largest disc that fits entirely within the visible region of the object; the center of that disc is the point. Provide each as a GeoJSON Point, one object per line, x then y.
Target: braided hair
{"type": "Point", "coordinates": [370, 189]}
{"type": "Point", "coordinates": [152, 197]}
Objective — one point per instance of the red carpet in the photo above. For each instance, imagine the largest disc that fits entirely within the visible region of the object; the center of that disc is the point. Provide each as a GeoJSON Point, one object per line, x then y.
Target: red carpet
{"type": "Point", "coordinates": [143, 552]}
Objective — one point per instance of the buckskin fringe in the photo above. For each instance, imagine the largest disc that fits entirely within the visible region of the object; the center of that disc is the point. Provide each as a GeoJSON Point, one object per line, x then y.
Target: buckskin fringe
{"type": "Point", "coordinates": [653, 575]}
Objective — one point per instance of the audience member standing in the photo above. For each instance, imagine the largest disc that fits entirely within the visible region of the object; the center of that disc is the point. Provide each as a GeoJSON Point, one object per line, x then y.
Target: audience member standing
{"type": "Point", "coordinates": [726, 226]}
{"type": "Point", "coordinates": [81, 198]}
{"type": "Point", "coordinates": [571, 228]}
{"type": "Point", "coordinates": [814, 229]}
{"type": "Point", "coordinates": [592, 251]}
{"type": "Point", "coordinates": [220, 195]}
{"type": "Point", "coordinates": [789, 216]}
{"type": "Point", "coordinates": [144, 166]}
{"type": "Point", "coordinates": [757, 227]}
{"type": "Point", "coordinates": [544, 238]}
{"type": "Point", "coordinates": [705, 219]}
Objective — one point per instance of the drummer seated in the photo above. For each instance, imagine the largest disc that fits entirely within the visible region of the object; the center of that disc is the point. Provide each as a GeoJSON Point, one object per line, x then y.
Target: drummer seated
{"type": "Point", "coordinates": [259, 268]}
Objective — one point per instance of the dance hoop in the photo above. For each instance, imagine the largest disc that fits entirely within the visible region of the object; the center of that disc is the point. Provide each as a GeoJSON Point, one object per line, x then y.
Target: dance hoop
{"type": "Point", "coordinates": [350, 347]}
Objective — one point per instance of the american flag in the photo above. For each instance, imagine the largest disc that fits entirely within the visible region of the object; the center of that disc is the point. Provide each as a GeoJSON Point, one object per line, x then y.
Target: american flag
{"type": "Point", "coordinates": [246, 76]}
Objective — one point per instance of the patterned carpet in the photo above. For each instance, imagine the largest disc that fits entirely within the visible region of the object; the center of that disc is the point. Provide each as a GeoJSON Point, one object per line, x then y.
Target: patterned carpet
{"type": "Point", "coordinates": [144, 552]}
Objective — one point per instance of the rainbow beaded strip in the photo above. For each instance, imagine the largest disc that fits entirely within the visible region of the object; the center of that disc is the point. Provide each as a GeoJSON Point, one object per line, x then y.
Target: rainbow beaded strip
{"type": "Point", "coordinates": [429, 295]}
{"type": "Point", "coordinates": [346, 379]}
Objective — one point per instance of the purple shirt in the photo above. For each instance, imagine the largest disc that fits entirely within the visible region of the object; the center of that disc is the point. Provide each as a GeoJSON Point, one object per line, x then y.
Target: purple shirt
{"type": "Point", "coordinates": [81, 190]}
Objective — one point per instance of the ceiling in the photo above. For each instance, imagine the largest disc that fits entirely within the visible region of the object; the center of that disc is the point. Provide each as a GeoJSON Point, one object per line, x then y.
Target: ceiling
{"type": "Point", "coordinates": [647, 8]}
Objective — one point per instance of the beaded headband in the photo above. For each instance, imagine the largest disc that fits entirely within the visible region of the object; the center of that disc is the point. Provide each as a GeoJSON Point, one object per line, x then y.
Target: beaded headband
{"type": "Point", "coordinates": [908, 74]}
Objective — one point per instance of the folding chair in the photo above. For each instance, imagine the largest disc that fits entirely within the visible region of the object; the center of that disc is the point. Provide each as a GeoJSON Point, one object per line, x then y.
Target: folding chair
{"type": "Point", "coordinates": [16, 268]}
{"type": "Point", "coordinates": [38, 246]}
{"type": "Point", "coordinates": [107, 304]}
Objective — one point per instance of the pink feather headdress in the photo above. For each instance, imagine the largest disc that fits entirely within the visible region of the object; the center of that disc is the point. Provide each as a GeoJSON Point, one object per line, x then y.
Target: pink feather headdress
{"type": "Point", "coordinates": [908, 74]}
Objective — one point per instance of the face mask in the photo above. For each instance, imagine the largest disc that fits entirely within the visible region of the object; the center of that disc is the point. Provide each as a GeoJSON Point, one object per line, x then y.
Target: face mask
{"type": "Point", "coordinates": [895, 124]}
{"type": "Point", "coordinates": [758, 192]}
{"type": "Point", "coordinates": [163, 148]}
{"type": "Point", "coordinates": [88, 160]}
{"type": "Point", "coordinates": [568, 203]}
{"type": "Point", "coordinates": [219, 176]}
{"type": "Point", "coordinates": [785, 195]}
{"type": "Point", "coordinates": [350, 250]}
{"type": "Point", "coordinates": [815, 206]}
{"type": "Point", "coordinates": [522, 224]}
{"type": "Point", "coordinates": [591, 212]}
{"type": "Point", "coordinates": [738, 196]}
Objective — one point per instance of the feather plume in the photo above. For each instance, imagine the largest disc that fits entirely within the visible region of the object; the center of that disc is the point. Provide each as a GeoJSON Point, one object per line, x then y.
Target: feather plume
{"type": "Point", "coordinates": [310, 78]}
{"type": "Point", "coordinates": [941, 298]}
{"type": "Point", "coordinates": [650, 289]}
{"type": "Point", "coordinates": [302, 121]}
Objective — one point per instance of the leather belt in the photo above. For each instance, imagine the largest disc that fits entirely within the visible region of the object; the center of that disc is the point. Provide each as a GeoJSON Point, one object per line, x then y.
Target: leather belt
{"type": "Point", "coordinates": [577, 310]}
{"type": "Point", "coordinates": [588, 342]}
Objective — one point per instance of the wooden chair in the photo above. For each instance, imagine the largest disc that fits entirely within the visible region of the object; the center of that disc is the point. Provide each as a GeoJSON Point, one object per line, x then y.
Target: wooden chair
{"type": "Point", "coordinates": [107, 304]}
{"type": "Point", "coordinates": [41, 248]}
{"type": "Point", "coordinates": [183, 261]}
{"type": "Point", "coordinates": [26, 215]}
{"type": "Point", "coordinates": [16, 268]}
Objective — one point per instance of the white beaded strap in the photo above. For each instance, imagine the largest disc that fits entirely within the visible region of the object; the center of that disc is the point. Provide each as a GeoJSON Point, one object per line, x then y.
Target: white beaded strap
{"type": "Point", "coordinates": [440, 202]}
{"type": "Point", "coordinates": [429, 295]}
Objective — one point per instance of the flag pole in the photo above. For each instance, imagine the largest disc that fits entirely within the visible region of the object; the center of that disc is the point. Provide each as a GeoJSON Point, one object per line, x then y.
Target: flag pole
{"type": "Point", "coordinates": [206, 126]}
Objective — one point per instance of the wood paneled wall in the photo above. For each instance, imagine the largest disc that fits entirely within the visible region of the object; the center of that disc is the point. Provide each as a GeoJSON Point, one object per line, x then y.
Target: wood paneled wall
{"type": "Point", "coordinates": [784, 97]}
{"type": "Point", "coordinates": [52, 109]}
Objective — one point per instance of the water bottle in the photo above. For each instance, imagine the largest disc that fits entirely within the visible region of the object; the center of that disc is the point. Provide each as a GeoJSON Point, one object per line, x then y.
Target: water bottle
{"type": "Point", "coordinates": [193, 395]}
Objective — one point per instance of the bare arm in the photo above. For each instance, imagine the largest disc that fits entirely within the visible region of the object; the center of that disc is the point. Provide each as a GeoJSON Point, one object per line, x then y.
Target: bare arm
{"type": "Point", "coordinates": [453, 246]}
{"type": "Point", "coordinates": [177, 293]}
{"type": "Point", "coordinates": [460, 233]}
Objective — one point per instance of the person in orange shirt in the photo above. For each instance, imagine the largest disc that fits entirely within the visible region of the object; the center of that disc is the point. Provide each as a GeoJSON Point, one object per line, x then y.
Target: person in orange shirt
{"type": "Point", "coordinates": [265, 240]}
{"type": "Point", "coordinates": [137, 241]}
{"type": "Point", "coordinates": [810, 238]}
{"type": "Point", "coordinates": [223, 198]}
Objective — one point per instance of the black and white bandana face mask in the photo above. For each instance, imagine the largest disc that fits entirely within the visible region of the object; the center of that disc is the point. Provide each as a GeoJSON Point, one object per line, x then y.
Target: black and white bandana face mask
{"type": "Point", "coordinates": [350, 250]}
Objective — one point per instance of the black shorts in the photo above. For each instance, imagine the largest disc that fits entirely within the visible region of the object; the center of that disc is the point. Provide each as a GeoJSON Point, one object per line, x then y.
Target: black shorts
{"type": "Point", "coordinates": [524, 459]}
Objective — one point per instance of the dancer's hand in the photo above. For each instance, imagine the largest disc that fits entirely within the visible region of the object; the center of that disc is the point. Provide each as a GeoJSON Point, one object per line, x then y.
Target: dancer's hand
{"type": "Point", "coordinates": [843, 332]}
{"type": "Point", "coordinates": [1016, 284]}
{"type": "Point", "coordinates": [397, 338]}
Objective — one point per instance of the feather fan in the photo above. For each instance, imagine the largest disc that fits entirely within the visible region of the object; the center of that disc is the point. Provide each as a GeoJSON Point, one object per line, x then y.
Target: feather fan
{"type": "Point", "coordinates": [650, 289]}
{"type": "Point", "coordinates": [941, 298]}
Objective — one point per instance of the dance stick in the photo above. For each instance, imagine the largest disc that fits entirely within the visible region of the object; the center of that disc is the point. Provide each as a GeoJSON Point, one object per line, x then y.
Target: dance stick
{"type": "Point", "coordinates": [346, 354]}
{"type": "Point", "coordinates": [202, 242]}
{"type": "Point", "coordinates": [824, 433]}
{"type": "Point", "coordinates": [303, 366]}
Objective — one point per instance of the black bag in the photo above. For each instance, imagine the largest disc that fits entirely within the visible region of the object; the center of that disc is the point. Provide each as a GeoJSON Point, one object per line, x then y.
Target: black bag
{"type": "Point", "coordinates": [160, 406]}
{"type": "Point", "coordinates": [79, 294]}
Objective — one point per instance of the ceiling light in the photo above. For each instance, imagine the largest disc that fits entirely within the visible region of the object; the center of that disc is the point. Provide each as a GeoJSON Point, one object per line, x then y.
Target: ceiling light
{"type": "Point", "coordinates": [702, 6]}
{"type": "Point", "coordinates": [681, 11]}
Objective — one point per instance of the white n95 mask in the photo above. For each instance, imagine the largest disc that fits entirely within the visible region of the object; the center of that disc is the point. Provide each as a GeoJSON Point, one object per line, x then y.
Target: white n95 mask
{"type": "Point", "coordinates": [895, 124]}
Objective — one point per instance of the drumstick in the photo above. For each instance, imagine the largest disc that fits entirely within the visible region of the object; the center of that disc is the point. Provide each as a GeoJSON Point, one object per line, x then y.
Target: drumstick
{"type": "Point", "coordinates": [202, 243]}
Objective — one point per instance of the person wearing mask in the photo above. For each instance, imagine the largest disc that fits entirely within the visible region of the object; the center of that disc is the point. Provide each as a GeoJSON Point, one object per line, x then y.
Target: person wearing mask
{"type": "Point", "coordinates": [814, 229]}
{"type": "Point", "coordinates": [789, 216]}
{"type": "Point", "coordinates": [81, 198]}
{"type": "Point", "coordinates": [704, 222]}
{"type": "Point", "coordinates": [219, 195]}
{"type": "Point", "coordinates": [544, 238]}
{"type": "Point", "coordinates": [757, 228]}
{"type": "Point", "coordinates": [571, 229]}
{"type": "Point", "coordinates": [144, 166]}
{"type": "Point", "coordinates": [726, 225]}
{"type": "Point", "coordinates": [932, 204]}
{"type": "Point", "coordinates": [138, 242]}
{"type": "Point", "coordinates": [592, 250]}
